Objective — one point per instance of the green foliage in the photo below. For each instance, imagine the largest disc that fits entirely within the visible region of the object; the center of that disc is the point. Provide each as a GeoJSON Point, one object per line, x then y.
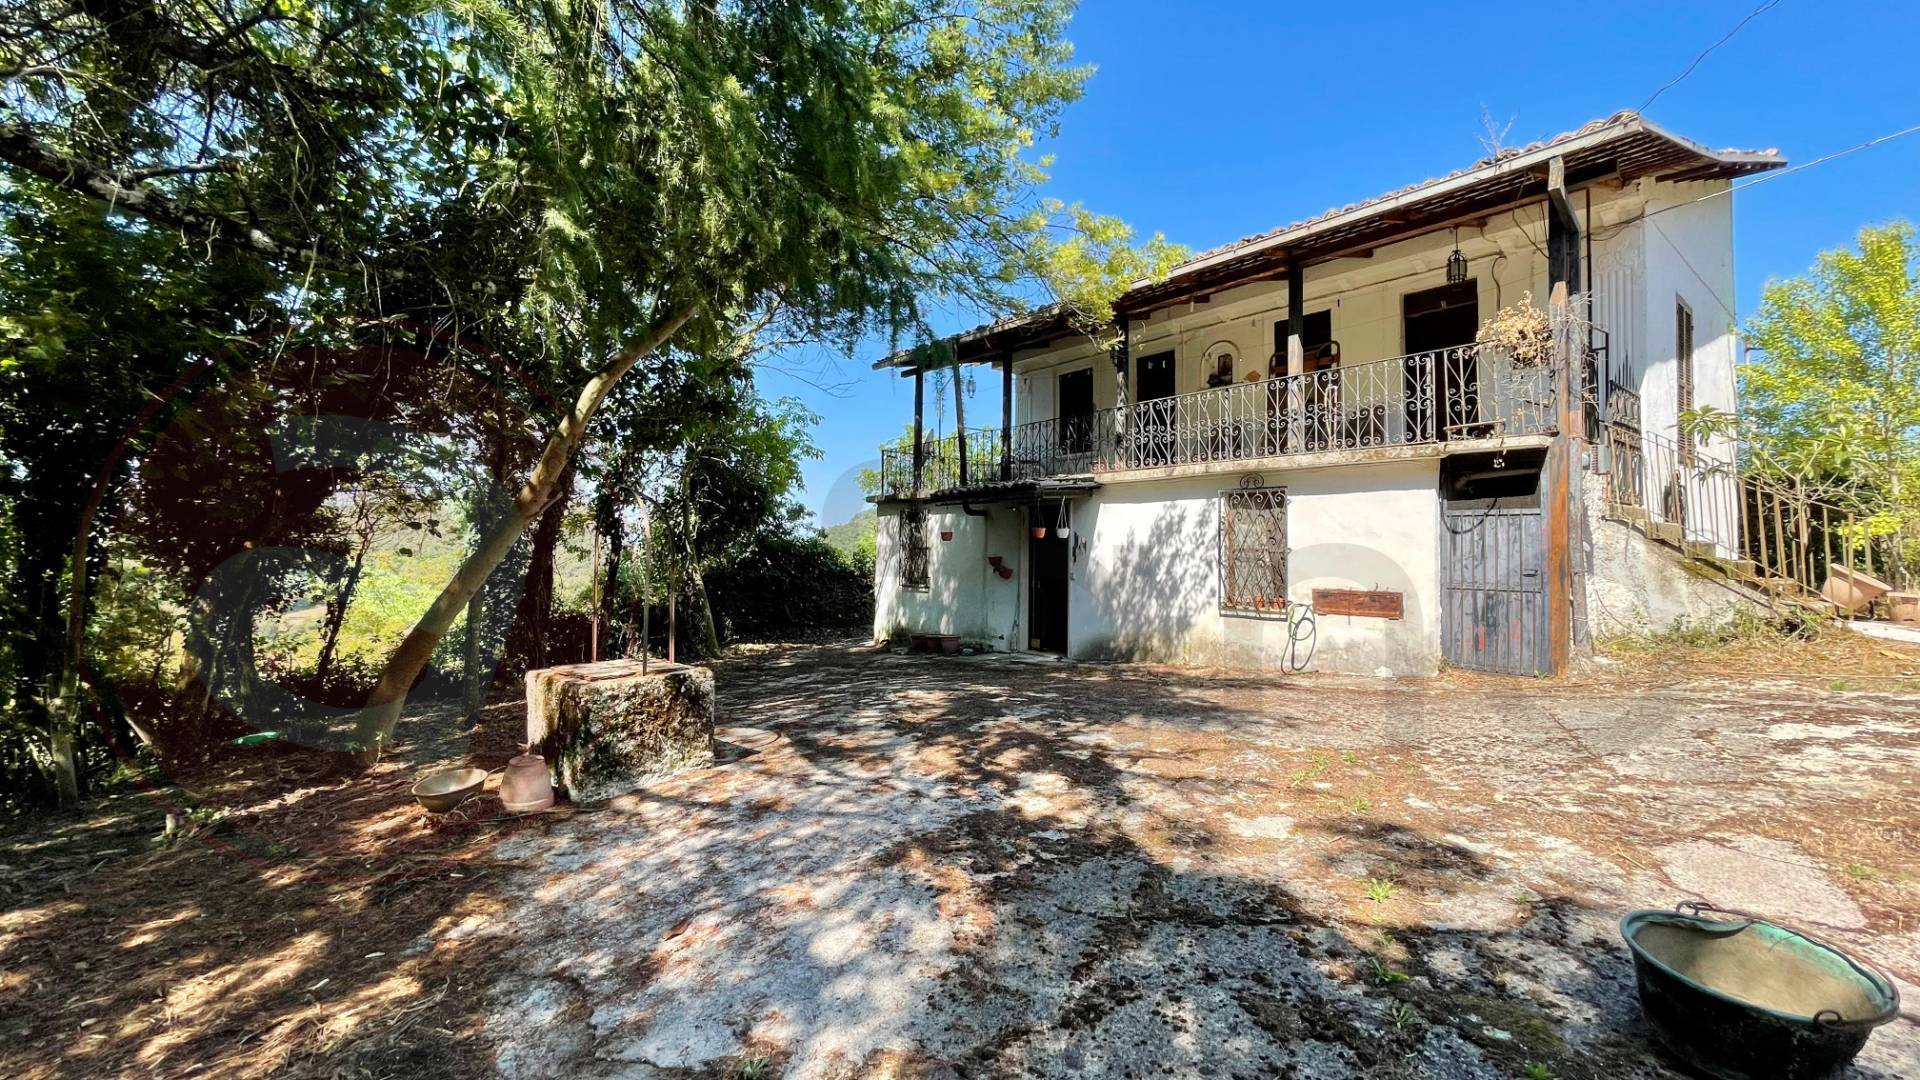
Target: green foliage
{"type": "Point", "coordinates": [1831, 399]}
{"type": "Point", "coordinates": [547, 186]}
{"type": "Point", "coordinates": [785, 584]}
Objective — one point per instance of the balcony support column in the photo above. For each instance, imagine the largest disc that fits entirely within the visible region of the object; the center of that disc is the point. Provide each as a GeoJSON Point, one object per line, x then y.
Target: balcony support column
{"type": "Point", "coordinates": [960, 414]}
{"type": "Point", "coordinates": [1120, 353]}
{"type": "Point", "coordinates": [919, 429]}
{"type": "Point", "coordinates": [1006, 417]}
{"type": "Point", "coordinates": [1296, 354]}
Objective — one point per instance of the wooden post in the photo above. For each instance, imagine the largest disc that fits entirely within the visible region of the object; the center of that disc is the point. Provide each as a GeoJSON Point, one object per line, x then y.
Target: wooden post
{"type": "Point", "coordinates": [919, 428]}
{"type": "Point", "coordinates": [1296, 355]}
{"type": "Point", "coordinates": [646, 586]}
{"type": "Point", "coordinates": [1558, 487]}
{"type": "Point", "coordinates": [672, 625]}
{"type": "Point", "coordinates": [593, 644]}
{"type": "Point", "coordinates": [1120, 355]}
{"type": "Point", "coordinates": [960, 413]}
{"type": "Point", "coordinates": [1006, 417]}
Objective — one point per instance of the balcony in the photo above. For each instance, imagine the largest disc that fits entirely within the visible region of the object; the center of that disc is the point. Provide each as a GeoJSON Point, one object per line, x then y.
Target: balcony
{"type": "Point", "coordinates": [1423, 399]}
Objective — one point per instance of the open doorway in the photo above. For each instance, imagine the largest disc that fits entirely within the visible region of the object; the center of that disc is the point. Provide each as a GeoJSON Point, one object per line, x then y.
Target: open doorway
{"type": "Point", "coordinates": [1046, 581]}
{"type": "Point", "coordinates": [1440, 388]}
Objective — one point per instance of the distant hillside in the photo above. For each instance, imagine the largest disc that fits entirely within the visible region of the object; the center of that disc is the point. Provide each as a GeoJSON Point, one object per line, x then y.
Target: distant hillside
{"type": "Point", "coordinates": [852, 536]}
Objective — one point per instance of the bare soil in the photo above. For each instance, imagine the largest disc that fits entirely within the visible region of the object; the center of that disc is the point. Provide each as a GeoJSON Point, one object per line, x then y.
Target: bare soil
{"type": "Point", "coordinates": [959, 866]}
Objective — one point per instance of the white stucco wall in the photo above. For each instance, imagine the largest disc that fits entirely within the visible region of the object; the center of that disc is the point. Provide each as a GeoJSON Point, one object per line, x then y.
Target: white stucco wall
{"type": "Point", "coordinates": [1145, 577]}
{"type": "Point", "coordinates": [1635, 586]}
{"type": "Point", "coordinates": [964, 596]}
{"type": "Point", "coordinates": [1639, 267]}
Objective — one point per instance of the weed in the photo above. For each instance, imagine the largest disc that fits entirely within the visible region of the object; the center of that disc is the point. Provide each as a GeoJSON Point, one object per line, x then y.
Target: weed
{"type": "Point", "coordinates": [1349, 757]}
{"type": "Point", "coordinates": [753, 1068]}
{"type": "Point", "coordinates": [1534, 1070]}
{"type": "Point", "coordinates": [1359, 804]}
{"type": "Point", "coordinates": [1403, 1016]}
{"type": "Point", "coordinates": [1860, 872]}
{"type": "Point", "coordinates": [1316, 768]}
{"type": "Point", "coordinates": [1842, 685]}
{"type": "Point", "coordinates": [1525, 898]}
{"type": "Point", "coordinates": [1383, 975]}
{"type": "Point", "coordinates": [1379, 890]}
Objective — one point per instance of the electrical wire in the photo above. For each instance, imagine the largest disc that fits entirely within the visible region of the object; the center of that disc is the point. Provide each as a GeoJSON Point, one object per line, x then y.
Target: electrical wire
{"type": "Point", "coordinates": [1728, 36]}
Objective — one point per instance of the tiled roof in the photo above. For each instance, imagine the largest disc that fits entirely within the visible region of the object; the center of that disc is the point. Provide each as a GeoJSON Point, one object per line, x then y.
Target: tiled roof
{"type": "Point", "coordinates": [1624, 144]}
{"type": "Point", "coordinates": [1621, 118]}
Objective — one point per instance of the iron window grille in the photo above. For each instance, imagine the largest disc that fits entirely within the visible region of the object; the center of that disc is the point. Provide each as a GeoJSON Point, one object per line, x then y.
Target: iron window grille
{"type": "Point", "coordinates": [913, 548]}
{"type": "Point", "coordinates": [1253, 551]}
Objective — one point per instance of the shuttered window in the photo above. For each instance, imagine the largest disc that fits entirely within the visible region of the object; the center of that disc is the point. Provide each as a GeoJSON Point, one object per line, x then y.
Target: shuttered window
{"type": "Point", "coordinates": [1253, 550]}
{"type": "Point", "coordinates": [1683, 373]}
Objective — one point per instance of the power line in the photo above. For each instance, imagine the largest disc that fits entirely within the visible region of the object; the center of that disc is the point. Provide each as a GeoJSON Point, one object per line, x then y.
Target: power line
{"type": "Point", "coordinates": [1728, 36]}
{"type": "Point", "coordinates": [1802, 167]}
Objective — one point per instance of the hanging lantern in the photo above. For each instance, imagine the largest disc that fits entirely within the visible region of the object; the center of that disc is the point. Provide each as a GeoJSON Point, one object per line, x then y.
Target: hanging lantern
{"type": "Point", "coordinates": [1456, 262]}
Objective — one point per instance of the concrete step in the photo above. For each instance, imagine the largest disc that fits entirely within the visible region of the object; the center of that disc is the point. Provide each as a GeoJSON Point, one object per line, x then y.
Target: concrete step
{"type": "Point", "coordinates": [1667, 532]}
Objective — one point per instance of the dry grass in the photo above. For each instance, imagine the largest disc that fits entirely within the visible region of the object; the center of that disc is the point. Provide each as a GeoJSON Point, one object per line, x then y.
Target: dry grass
{"type": "Point", "coordinates": [280, 933]}
{"type": "Point", "coordinates": [1755, 648]}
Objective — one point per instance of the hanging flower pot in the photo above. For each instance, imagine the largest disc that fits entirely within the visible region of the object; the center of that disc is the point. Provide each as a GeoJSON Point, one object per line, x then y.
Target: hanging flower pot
{"type": "Point", "coordinates": [1005, 572]}
{"type": "Point", "coordinates": [946, 534]}
{"type": "Point", "coordinates": [1062, 526]}
{"type": "Point", "coordinates": [1039, 532]}
{"type": "Point", "coordinates": [1062, 532]}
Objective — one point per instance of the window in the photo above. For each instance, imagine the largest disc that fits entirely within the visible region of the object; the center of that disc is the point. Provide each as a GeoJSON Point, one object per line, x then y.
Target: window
{"type": "Point", "coordinates": [1253, 550]}
{"type": "Point", "coordinates": [1316, 341]}
{"type": "Point", "coordinates": [1683, 373]}
{"type": "Point", "coordinates": [913, 548]}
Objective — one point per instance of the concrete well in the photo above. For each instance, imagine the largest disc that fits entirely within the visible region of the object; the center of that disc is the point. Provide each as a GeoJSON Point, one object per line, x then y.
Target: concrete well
{"type": "Point", "coordinates": [606, 729]}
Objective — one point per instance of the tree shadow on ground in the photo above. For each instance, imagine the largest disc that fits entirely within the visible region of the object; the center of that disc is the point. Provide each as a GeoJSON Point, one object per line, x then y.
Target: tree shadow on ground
{"type": "Point", "coordinates": [957, 868]}
{"type": "Point", "coordinates": [288, 924]}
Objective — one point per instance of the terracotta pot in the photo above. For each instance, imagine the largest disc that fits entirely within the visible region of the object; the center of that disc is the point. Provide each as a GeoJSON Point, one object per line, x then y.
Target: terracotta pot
{"type": "Point", "coordinates": [526, 787]}
{"type": "Point", "coordinates": [1850, 590]}
{"type": "Point", "coordinates": [946, 534]}
{"type": "Point", "coordinates": [995, 561]}
{"type": "Point", "coordinates": [949, 643]}
{"type": "Point", "coordinates": [1039, 532]}
{"type": "Point", "coordinates": [1904, 607]}
{"type": "Point", "coordinates": [1005, 572]}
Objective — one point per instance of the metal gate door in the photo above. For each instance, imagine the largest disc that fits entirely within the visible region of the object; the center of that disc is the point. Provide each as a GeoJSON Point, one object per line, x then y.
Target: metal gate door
{"type": "Point", "coordinates": [1493, 606]}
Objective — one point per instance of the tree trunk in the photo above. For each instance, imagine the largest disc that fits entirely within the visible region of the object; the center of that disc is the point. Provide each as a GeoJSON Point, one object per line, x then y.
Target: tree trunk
{"type": "Point", "coordinates": [709, 634]}
{"type": "Point", "coordinates": [382, 712]}
{"type": "Point", "coordinates": [337, 610]}
{"type": "Point", "coordinates": [527, 635]}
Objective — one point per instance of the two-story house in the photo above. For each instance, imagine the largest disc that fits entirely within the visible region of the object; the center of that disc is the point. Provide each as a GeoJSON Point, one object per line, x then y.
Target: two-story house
{"type": "Point", "coordinates": [1293, 451]}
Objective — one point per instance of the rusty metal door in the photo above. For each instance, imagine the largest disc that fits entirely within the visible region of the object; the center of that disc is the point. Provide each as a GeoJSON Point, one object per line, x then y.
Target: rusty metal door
{"type": "Point", "coordinates": [1493, 605]}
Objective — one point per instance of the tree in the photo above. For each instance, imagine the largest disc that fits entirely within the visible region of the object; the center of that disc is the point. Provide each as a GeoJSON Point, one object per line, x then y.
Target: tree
{"type": "Point", "coordinates": [638, 175]}
{"type": "Point", "coordinates": [1831, 401]}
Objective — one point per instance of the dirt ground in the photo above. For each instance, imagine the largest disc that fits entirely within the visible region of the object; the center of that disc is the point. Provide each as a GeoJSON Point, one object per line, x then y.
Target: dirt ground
{"type": "Point", "coordinates": [988, 866]}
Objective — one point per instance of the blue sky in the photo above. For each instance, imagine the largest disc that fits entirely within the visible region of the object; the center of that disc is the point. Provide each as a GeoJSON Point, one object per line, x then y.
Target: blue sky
{"type": "Point", "coordinates": [1208, 122]}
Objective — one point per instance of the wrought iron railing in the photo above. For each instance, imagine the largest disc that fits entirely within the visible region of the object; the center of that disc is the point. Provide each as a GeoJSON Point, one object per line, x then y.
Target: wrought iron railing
{"type": "Point", "coordinates": [940, 461]}
{"type": "Point", "coordinates": [1464, 392]}
{"type": "Point", "coordinates": [1761, 532]}
{"type": "Point", "coordinates": [1623, 405]}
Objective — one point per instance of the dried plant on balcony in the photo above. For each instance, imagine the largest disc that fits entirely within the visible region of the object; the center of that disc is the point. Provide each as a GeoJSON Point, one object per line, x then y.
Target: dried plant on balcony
{"type": "Point", "coordinates": [1522, 332]}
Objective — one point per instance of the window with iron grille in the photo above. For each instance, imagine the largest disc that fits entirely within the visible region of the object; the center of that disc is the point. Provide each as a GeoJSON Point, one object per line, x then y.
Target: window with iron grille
{"type": "Point", "coordinates": [1253, 550]}
{"type": "Point", "coordinates": [913, 548]}
{"type": "Point", "coordinates": [1683, 373]}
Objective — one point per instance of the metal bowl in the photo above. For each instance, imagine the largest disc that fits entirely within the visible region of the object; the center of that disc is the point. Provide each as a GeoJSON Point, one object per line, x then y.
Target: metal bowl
{"type": "Point", "coordinates": [1744, 998]}
{"type": "Point", "coordinates": [448, 788]}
